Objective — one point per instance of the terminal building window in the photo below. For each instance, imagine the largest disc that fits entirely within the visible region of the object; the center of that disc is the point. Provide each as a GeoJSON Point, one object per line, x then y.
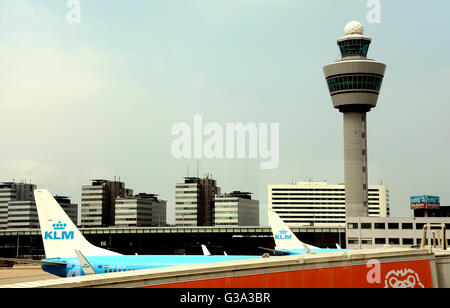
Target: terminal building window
{"type": "Point", "coordinates": [419, 226]}
{"type": "Point", "coordinates": [366, 225]}
{"type": "Point", "coordinates": [394, 241]}
{"type": "Point", "coordinates": [393, 226]}
{"type": "Point", "coordinates": [380, 225]}
{"type": "Point", "coordinates": [380, 241]}
{"type": "Point", "coordinates": [354, 241]}
{"type": "Point", "coordinates": [352, 225]}
{"type": "Point", "coordinates": [407, 226]}
{"type": "Point", "coordinates": [366, 241]}
{"type": "Point", "coordinates": [408, 241]}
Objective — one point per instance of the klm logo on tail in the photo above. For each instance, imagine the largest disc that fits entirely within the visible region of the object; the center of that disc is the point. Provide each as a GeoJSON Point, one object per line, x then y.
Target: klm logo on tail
{"type": "Point", "coordinates": [282, 235]}
{"type": "Point", "coordinates": [59, 233]}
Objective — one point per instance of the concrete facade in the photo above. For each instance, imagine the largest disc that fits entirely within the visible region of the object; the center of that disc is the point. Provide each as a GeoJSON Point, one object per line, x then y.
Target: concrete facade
{"type": "Point", "coordinates": [98, 202]}
{"type": "Point", "coordinates": [236, 209]}
{"type": "Point", "coordinates": [321, 204]}
{"type": "Point", "coordinates": [141, 210]}
{"type": "Point", "coordinates": [70, 208]}
{"type": "Point", "coordinates": [17, 208]}
{"type": "Point", "coordinates": [194, 202]}
{"type": "Point", "coordinates": [376, 232]}
{"type": "Point", "coordinates": [22, 215]}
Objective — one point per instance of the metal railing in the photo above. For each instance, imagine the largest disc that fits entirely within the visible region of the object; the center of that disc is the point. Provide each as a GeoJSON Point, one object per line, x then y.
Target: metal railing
{"type": "Point", "coordinates": [439, 239]}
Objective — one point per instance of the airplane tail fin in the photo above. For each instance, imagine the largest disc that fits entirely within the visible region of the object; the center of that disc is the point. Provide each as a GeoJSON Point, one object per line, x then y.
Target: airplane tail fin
{"type": "Point", "coordinates": [283, 236]}
{"type": "Point", "coordinates": [60, 235]}
{"type": "Point", "coordinates": [205, 251]}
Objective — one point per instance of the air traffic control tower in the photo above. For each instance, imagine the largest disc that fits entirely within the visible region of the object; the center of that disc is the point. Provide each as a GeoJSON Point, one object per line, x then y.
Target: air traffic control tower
{"type": "Point", "coordinates": [354, 83]}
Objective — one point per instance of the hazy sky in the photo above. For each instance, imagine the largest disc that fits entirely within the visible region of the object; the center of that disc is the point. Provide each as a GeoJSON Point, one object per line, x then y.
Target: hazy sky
{"type": "Point", "coordinates": [98, 99]}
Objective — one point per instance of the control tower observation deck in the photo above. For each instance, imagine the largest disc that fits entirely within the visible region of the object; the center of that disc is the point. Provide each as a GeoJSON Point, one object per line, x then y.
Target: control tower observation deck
{"type": "Point", "coordinates": [354, 83]}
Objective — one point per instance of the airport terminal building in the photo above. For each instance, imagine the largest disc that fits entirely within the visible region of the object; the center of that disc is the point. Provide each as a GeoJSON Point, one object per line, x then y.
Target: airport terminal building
{"type": "Point", "coordinates": [376, 232]}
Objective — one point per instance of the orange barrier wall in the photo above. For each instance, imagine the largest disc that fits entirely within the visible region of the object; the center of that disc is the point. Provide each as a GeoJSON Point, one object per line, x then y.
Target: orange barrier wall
{"type": "Point", "coordinates": [409, 274]}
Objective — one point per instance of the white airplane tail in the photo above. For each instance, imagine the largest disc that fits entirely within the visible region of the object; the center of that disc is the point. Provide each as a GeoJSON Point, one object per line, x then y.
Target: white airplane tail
{"type": "Point", "coordinates": [60, 235]}
{"type": "Point", "coordinates": [205, 251]}
{"type": "Point", "coordinates": [283, 236]}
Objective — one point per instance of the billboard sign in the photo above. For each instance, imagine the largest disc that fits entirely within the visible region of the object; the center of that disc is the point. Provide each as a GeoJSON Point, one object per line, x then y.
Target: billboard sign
{"type": "Point", "coordinates": [425, 202]}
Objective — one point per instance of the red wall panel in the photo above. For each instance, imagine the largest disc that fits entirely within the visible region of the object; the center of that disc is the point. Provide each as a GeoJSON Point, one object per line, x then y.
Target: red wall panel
{"type": "Point", "coordinates": [415, 274]}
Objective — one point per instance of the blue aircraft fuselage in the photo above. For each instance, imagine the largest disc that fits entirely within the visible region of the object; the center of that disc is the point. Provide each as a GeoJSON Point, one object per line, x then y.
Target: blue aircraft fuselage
{"type": "Point", "coordinates": [110, 264]}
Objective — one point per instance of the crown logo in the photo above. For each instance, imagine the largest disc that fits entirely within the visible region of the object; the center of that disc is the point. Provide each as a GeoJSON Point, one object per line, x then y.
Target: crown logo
{"type": "Point", "coordinates": [283, 232]}
{"type": "Point", "coordinates": [59, 226]}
